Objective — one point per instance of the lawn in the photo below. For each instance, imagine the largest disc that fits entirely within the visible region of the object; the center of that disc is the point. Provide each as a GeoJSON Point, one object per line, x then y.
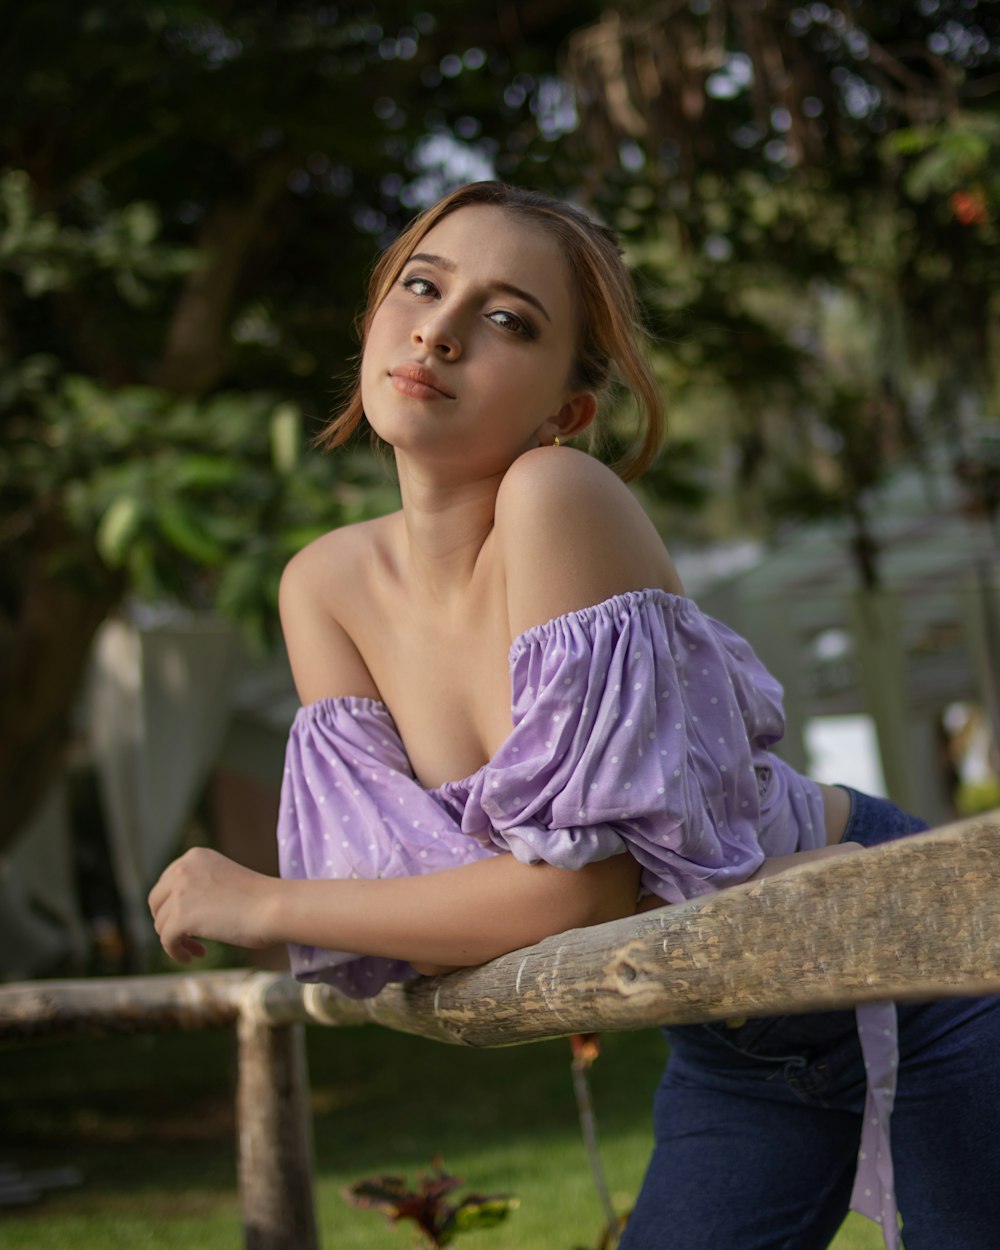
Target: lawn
{"type": "Point", "coordinates": [149, 1123]}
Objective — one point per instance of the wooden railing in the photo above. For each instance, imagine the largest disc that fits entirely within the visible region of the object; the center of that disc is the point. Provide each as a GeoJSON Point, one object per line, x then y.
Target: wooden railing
{"type": "Point", "coordinates": [917, 918]}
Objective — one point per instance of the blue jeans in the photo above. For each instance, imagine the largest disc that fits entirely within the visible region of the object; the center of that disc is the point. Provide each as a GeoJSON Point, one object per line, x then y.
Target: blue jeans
{"type": "Point", "coordinates": [757, 1127]}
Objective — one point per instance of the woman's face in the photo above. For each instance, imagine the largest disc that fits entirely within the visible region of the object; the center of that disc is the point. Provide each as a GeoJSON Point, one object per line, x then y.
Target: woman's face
{"type": "Point", "coordinates": [468, 357]}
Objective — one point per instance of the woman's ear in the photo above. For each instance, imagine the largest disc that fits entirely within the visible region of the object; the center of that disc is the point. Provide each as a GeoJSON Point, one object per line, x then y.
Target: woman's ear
{"type": "Point", "coordinates": [575, 415]}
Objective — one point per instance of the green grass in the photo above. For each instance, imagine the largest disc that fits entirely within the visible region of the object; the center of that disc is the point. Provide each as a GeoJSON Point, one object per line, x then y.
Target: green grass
{"type": "Point", "coordinates": [149, 1122]}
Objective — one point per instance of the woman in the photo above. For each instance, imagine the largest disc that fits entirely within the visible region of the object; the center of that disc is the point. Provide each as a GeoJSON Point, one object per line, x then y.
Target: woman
{"type": "Point", "coordinates": [514, 723]}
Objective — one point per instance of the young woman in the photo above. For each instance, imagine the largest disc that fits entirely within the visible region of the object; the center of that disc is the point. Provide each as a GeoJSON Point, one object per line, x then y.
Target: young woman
{"type": "Point", "coordinates": [515, 723]}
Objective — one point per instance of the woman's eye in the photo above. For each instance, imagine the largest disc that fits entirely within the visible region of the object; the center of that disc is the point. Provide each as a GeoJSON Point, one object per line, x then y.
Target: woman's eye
{"type": "Point", "coordinates": [510, 321]}
{"type": "Point", "coordinates": [419, 286]}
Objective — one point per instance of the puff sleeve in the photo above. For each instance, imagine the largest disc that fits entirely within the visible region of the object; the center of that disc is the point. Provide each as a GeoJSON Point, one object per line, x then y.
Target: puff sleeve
{"type": "Point", "coordinates": [642, 725]}
{"type": "Point", "coordinates": [350, 807]}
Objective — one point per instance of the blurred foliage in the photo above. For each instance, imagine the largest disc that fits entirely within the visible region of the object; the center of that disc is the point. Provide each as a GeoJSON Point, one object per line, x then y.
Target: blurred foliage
{"type": "Point", "coordinates": [121, 243]}
{"type": "Point", "coordinates": [973, 797]}
{"type": "Point", "coordinates": [193, 194]}
{"type": "Point", "coordinates": [810, 195]}
{"type": "Point", "coordinates": [197, 501]}
{"type": "Point", "coordinates": [190, 196]}
{"type": "Point", "coordinates": [283, 143]}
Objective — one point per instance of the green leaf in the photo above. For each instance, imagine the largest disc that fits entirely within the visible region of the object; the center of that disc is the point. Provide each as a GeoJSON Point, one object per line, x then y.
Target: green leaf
{"type": "Point", "coordinates": [286, 437]}
{"type": "Point", "coordinates": [957, 156]}
{"type": "Point", "coordinates": [246, 588]}
{"type": "Point", "coordinates": [141, 222]}
{"type": "Point", "coordinates": [299, 536]}
{"type": "Point", "coordinates": [232, 422]}
{"type": "Point", "coordinates": [481, 1211]}
{"type": "Point", "coordinates": [142, 572]}
{"type": "Point", "coordinates": [96, 410]}
{"type": "Point", "coordinates": [909, 142]}
{"type": "Point", "coordinates": [132, 289]}
{"type": "Point", "coordinates": [205, 473]}
{"type": "Point", "coordinates": [117, 528]}
{"type": "Point", "coordinates": [180, 526]}
{"type": "Point", "coordinates": [44, 276]}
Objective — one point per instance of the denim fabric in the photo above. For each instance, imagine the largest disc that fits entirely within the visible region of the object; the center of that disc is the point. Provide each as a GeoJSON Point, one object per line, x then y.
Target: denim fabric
{"type": "Point", "coordinates": [757, 1127]}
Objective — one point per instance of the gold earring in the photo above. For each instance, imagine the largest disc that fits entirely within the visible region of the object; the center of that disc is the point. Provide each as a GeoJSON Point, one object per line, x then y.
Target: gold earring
{"type": "Point", "coordinates": [556, 442]}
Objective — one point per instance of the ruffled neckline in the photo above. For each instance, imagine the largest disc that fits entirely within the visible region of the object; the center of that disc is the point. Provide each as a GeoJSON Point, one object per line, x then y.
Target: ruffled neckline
{"type": "Point", "coordinates": [628, 599]}
{"type": "Point", "coordinates": [535, 635]}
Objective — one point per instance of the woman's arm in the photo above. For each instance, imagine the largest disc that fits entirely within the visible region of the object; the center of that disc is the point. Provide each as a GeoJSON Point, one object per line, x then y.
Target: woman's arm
{"type": "Point", "coordinates": [774, 866]}
{"type": "Point", "coordinates": [459, 917]}
{"type": "Point", "coordinates": [777, 864]}
{"type": "Point", "coordinates": [325, 662]}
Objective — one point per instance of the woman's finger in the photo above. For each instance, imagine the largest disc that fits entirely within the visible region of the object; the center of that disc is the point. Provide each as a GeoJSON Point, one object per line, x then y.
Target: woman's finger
{"type": "Point", "coordinates": [181, 947]}
{"type": "Point", "coordinates": [160, 891]}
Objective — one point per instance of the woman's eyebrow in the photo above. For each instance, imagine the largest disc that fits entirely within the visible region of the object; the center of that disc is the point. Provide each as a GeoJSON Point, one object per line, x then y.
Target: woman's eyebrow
{"type": "Point", "coordinates": [525, 295]}
{"type": "Point", "coordinates": [442, 262]}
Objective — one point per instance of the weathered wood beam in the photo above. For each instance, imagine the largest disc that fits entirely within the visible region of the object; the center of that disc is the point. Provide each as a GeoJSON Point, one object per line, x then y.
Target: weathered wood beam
{"type": "Point", "coordinates": [917, 918]}
{"type": "Point", "coordinates": [156, 1004]}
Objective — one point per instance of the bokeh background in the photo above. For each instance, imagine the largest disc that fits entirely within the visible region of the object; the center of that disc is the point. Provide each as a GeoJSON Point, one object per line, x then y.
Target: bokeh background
{"type": "Point", "coordinates": [191, 197]}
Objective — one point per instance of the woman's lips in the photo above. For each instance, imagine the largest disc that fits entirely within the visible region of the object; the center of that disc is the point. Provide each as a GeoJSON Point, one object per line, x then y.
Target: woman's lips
{"type": "Point", "coordinates": [418, 382]}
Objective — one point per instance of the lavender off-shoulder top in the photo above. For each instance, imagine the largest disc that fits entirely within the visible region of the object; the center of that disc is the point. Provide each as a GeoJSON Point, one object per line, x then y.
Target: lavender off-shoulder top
{"type": "Point", "coordinates": [639, 724]}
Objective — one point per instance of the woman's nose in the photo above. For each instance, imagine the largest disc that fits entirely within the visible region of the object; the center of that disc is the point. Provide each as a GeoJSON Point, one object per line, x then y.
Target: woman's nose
{"type": "Point", "coordinates": [439, 335]}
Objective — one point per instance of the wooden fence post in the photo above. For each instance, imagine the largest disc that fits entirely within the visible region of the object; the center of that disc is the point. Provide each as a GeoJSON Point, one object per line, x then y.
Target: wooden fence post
{"type": "Point", "coordinates": [274, 1126]}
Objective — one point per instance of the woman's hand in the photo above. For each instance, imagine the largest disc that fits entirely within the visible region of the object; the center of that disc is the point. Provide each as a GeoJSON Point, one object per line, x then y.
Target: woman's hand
{"type": "Point", "coordinates": [205, 895]}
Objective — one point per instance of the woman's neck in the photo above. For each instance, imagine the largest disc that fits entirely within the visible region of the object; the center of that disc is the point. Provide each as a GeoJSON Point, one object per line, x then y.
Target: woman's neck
{"type": "Point", "coordinates": [445, 526]}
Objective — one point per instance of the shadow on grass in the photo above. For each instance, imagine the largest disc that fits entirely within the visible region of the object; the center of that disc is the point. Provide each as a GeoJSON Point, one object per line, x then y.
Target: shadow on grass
{"type": "Point", "coordinates": [379, 1096]}
{"type": "Point", "coordinates": [151, 1118]}
{"type": "Point", "coordinates": [149, 1122]}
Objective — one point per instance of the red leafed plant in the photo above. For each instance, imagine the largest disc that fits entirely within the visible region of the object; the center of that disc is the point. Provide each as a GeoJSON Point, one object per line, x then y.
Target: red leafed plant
{"type": "Point", "coordinates": [439, 1221]}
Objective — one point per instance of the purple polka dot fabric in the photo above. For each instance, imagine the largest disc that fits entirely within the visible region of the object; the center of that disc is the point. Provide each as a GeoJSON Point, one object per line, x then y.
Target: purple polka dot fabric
{"type": "Point", "coordinates": [874, 1192]}
{"type": "Point", "coordinates": [639, 724]}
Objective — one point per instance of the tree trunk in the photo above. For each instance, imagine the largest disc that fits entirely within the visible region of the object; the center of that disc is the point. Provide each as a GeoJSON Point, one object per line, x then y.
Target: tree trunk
{"type": "Point", "coordinates": [197, 340]}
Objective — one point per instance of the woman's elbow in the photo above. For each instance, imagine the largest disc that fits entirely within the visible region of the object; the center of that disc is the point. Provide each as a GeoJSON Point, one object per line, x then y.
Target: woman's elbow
{"type": "Point", "coordinates": [608, 890]}
{"type": "Point", "coordinates": [433, 970]}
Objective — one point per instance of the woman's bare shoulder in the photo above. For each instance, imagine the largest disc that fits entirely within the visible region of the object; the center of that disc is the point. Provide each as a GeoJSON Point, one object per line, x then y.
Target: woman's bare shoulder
{"type": "Point", "coordinates": [331, 555]}
{"type": "Point", "coordinates": [318, 595]}
{"type": "Point", "coordinates": [570, 534]}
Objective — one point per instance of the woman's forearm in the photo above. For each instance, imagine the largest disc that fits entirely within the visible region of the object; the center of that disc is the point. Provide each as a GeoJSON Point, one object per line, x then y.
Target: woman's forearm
{"type": "Point", "coordinates": [461, 916]}
{"type": "Point", "coordinates": [458, 917]}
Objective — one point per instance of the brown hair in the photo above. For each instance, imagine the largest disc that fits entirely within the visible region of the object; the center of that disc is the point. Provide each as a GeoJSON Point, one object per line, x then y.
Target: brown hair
{"type": "Point", "coordinates": [609, 333]}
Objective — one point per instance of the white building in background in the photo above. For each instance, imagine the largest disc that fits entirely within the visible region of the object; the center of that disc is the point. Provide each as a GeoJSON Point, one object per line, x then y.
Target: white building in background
{"type": "Point", "coordinates": [927, 639]}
